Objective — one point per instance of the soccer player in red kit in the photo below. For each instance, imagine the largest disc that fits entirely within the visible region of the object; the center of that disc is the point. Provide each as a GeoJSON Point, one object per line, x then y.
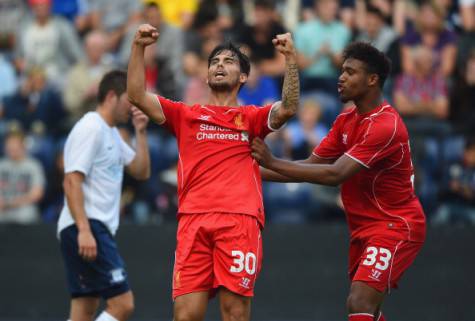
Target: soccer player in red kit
{"type": "Point", "coordinates": [220, 214]}
{"type": "Point", "coordinates": [366, 151]}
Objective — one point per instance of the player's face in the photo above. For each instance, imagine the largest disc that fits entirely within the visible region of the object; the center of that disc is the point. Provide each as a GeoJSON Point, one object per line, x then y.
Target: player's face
{"type": "Point", "coordinates": [122, 110]}
{"type": "Point", "coordinates": [224, 72]}
{"type": "Point", "coordinates": [353, 81]}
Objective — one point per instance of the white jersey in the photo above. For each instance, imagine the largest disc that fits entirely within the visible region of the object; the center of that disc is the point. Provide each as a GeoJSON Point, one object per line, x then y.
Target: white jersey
{"type": "Point", "coordinates": [98, 151]}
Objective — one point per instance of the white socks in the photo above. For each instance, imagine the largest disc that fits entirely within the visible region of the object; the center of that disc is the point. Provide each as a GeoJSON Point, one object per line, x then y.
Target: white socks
{"type": "Point", "coordinates": [104, 316]}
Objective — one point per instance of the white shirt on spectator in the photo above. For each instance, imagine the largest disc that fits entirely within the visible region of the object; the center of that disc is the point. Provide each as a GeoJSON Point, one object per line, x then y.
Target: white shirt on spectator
{"type": "Point", "coordinates": [98, 151]}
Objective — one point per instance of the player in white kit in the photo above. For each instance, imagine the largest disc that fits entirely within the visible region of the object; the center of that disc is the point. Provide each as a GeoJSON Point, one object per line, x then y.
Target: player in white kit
{"type": "Point", "coordinates": [94, 158]}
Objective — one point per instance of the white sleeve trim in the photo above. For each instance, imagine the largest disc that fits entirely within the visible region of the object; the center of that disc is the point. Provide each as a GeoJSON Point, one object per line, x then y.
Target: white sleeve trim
{"type": "Point", "coordinates": [357, 160]}
{"type": "Point", "coordinates": [268, 118]}
{"type": "Point", "coordinates": [315, 154]}
{"type": "Point", "coordinates": [163, 112]}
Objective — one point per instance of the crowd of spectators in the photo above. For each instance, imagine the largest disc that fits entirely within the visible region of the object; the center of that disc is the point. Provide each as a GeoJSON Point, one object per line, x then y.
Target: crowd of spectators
{"type": "Point", "coordinates": [53, 53]}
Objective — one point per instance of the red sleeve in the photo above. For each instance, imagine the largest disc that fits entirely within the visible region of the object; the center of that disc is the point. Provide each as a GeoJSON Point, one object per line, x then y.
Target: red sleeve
{"type": "Point", "coordinates": [259, 120]}
{"type": "Point", "coordinates": [331, 146]}
{"type": "Point", "coordinates": [173, 112]}
{"type": "Point", "coordinates": [378, 141]}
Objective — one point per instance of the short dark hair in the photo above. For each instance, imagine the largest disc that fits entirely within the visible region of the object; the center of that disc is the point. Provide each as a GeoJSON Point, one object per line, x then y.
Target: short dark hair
{"type": "Point", "coordinates": [376, 61]}
{"type": "Point", "coordinates": [265, 4]}
{"type": "Point", "coordinates": [115, 80]}
{"type": "Point", "coordinates": [244, 63]}
{"type": "Point", "coordinates": [376, 11]}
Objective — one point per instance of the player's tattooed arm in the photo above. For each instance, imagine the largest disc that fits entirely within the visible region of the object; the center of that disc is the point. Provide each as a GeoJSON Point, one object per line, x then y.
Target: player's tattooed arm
{"type": "Point", "coordinates": [291, 88]}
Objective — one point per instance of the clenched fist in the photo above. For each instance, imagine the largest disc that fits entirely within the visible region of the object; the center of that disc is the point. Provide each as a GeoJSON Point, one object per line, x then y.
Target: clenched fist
{"type": "Point", "coordinates": [285, 45]}
{"type": "Point", "coordinates": [146, 35]}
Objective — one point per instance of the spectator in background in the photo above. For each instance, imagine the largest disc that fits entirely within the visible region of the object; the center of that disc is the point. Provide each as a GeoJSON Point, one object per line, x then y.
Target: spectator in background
{"type": "Point", "coordinates": [35, 105]}
{"type": "Point", "coordinates": [47, 41]}
{"type": "Point", "coordinates": [76, 11]}
{"type": "Point", "coordinates": [301, 136]}
{"type": "Point", "coordinates": [431, 32]}
{"type": "Point", "coordinates": [466, 42]}
{"type": "Point", "coordinates": [422, 93]}
{"type": "Point", "coordinates": [395, 13]}
{"type": "Point", "coordinates": [319, 43]}
{"type": "Point", "coordinates": [11, 14]}
{"type": "Point", "coordinates": [114, 18]}
{"type": "Point", "coordinates": [21, 183]}
{"type": "Point", "coordinates": [258, 38]}
{"type": "Point", "coordinates": [169, 78]}
{"type": "Point", "coordinates": [467, 13]}
{"type": "Point", "coordinates": [179, 14]}
{"type": "Point", "coordinates": [8, 77]}
{"type": "Point", "coordinates": [375, 30]}
{"type": "Point", "coordinates": [230, 15]}
{"type": "Point", "coordinates": [82, 81]}
{"type": "Point", "coordinates": [259, 89]}
{"type": "Point", "coordinates": [462, 102]}
{"type": "Point", "coordinates": [459, 194]}
{"type": "Point", "coordinates": [205, 29]}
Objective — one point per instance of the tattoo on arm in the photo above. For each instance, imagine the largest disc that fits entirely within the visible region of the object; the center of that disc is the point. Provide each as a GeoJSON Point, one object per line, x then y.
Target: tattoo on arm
{"type": "Point", "coordinates": [290, 97]}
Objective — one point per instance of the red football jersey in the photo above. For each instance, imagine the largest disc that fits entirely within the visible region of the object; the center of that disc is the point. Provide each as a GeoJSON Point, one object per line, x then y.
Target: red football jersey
{"type": "Point", "coordinates": [216, 172]}
{"type": "Point", "coordinates": [380, 199]}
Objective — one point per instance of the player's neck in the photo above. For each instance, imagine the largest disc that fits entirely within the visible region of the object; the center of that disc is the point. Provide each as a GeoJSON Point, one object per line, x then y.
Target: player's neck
{"type": "Point", "coordinates": [223, 99]}
{"type": "Point", "coordinates": [368, 103]}
{"type": "Point", "coordinates": [106, 115]}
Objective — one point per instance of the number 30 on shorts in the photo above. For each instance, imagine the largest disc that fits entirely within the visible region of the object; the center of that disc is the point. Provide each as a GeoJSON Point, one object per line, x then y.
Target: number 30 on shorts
{"type": "Point", "coordinates": [380, 256]}
{"type": "Point", "coordinates": [243, 261]}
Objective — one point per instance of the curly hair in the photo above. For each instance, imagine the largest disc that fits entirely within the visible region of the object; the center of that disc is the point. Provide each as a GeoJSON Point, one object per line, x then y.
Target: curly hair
{"type": "Point", "coordinates": [376, 61]}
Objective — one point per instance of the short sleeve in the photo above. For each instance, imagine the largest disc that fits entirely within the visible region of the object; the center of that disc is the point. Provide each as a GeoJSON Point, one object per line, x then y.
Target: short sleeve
{"type": "Point", "coordinates": [377, 142]}
{"type": "Point", "coordinates": [81, 148]}
{"type": "Point", "coordinates": [260, 120]}
{"type": "Point", "coordinates": [331, 146]}
{"type": "Point", "coordinates": [173, 112]}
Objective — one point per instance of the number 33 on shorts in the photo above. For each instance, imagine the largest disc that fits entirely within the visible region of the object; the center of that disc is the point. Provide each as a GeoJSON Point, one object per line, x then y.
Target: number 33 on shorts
{"type": "Point", "coordinates": [377, 256]}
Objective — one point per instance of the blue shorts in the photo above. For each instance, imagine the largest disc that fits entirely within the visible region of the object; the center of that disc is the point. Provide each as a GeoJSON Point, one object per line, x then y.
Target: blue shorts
{"type": "Point", "coordinates": [105, 276]}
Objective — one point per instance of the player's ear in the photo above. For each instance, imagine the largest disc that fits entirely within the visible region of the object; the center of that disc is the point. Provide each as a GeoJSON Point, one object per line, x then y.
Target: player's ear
{"type": "Point", "coordinates": [373, 80]}
{"type": "Point", "coordinates": [243, 78]}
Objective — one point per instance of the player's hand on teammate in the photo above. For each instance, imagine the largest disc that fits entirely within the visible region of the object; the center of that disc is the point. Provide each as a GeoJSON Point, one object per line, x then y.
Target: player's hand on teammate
{"type": "Point", "coordinates": [146, 35]}
{"type": "Point", "coordinates": [139, 119]}
{"type": "Point", "coordinates": [285, 45]}
{"type": "Point", "coordinates": [87, 245]}
{"type": "Point", "coordinates": [261, 152]}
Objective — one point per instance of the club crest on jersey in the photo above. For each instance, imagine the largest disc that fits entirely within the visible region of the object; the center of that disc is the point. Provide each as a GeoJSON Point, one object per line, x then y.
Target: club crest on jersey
{"type": "Point", "coordinates": [345, 139]}
{"type": "Point", "coordinates": [238, 121]}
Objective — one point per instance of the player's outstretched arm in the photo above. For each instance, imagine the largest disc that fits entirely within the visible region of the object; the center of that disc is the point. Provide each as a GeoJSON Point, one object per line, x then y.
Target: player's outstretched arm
{"type": "Point", "coordinates": [74, 195]}
{"type": "Point", "coordinates": [325, 174]}
{"type": "Point", "coordinates": [291, 87]}
{"type": "Point", "coordinates": [272, 176]}
{"type": "Point", "coordinates": [139, 168]}
{"type": "Point", "coordinates": [138, 96]}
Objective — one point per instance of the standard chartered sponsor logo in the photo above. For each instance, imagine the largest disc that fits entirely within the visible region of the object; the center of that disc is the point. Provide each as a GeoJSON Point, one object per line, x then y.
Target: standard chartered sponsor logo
{"type": "Point", "coordinates": [211, 132]}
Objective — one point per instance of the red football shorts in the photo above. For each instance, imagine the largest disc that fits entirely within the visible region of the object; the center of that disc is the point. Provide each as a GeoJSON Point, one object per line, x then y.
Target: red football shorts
{"type": "Point", "coordinates": [380, 262]}
{"type": "Point", "coordinates": [217, 249]}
